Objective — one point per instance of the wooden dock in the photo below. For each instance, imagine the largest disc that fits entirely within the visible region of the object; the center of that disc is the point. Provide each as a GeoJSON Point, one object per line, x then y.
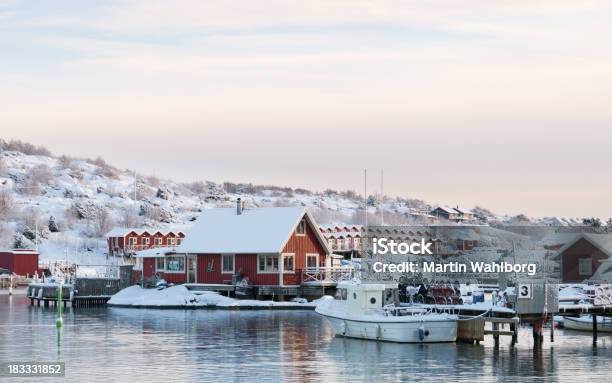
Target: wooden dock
{"type": "Point", "coordinates": [83, 292]}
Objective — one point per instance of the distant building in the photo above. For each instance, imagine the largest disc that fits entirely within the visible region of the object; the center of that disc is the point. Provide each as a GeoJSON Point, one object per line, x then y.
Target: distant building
{"type": "Point", "coordinates": [343, 239]}
{"type": "Point", "coordinates": [20, 261]}
{"type": "Point", "coordinates": [453, 214]}
{"type": "Point", "coordinates": [466, 244]}
{"type": "Point", "coordinates": [127, 241]}
{"type": "Point", "coordinates": [582, 257]}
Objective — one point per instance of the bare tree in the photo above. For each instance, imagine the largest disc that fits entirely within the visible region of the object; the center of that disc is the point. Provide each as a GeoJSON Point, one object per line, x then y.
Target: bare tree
{"type": "Point", "coordinates": [3, 168]}
{"type": "Point", "coordinates": [103, 222]}
{"type": "Point", "coordinates": [129, 218]}
{"type": "Point", "coordinates": [7, 205]}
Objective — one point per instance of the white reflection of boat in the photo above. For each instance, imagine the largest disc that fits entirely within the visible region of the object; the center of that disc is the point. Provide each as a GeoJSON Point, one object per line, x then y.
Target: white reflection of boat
{"type": "Point", "coordinates": [363, 311]}
{"type": "Point", "coordinates": [585, 323]}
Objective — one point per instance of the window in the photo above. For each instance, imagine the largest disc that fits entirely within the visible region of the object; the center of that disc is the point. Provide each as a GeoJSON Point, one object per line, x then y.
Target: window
{"type": "Point", "coordinates": [288, 263]}
{"type": "Point", "coordinates": [175, 264]}
{"type": "Point", "coordinates": [171, 242]}
{"type": "Point", "coordinates": [145, 241]}
{"type": "Point", "coordinates": [160, 264]}
{"type": "Point", "coordinates": [301, 228]}
{"type": "Point", "coordinates": [585, 266]}
{"type": "Point", "coordinates": [158, 241]}
{"type": "Point", "coordinates": [228, 264]}
{"type": "Point", "coordinates": [132, 241]}
{"type": "Point", "coordinates": [268, 263]}
{"type": "Point", "coordinates": [312, 261]}
{"type": "Point", "coordinates": [178, 241]}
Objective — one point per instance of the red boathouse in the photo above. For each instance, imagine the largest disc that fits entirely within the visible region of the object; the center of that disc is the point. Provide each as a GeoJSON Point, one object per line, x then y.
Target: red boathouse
{"type": "Point", "coordinates": [583, 257]}
{"type": "Point", "coordinates": [20, 261]}
{"type": "Point", "coordinates": [270, 248]}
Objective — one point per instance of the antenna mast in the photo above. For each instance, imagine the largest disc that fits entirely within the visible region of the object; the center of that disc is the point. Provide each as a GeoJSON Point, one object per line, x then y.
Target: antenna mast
{"type": "Point", "coordinates": [382, 199]}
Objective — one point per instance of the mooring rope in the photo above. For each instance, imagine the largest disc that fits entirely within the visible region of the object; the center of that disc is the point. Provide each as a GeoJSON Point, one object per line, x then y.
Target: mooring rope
{"type": "Point", "coordinates": [474, 317]}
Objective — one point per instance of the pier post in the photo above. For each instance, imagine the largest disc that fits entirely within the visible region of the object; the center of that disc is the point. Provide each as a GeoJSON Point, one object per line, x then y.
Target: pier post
{"type": "Point", "coordinates": [552, 329]}
{"type": "Point", "coordinates": [496, 335]}
{"type": "Point", "coordinates": [514, 333]}
{"type": "Point", "coordinates": [538, 338]}
{"type": "Point", "coordinates": [594, 330]}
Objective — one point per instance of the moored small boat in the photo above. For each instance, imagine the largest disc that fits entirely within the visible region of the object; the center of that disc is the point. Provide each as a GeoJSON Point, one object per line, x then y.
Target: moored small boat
{"type": "Point", "coordinates": [585, 323]}
{"type": "Point", "coordinates": [368, 311]}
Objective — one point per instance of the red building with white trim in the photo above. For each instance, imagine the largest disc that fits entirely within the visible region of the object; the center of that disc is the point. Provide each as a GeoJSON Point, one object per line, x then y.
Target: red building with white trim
{"type": "Point", "coordinates": [127, 241]}
{"type": "Point", "coordinates": [20, 261]}
{"type": "Point", "coordinates": [268, 247]}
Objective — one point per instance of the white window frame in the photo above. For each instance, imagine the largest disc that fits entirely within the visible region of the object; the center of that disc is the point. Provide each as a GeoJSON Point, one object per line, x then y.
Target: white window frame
{"type": "Point", "coordinates": [145, 241]}
{"type": "Point", "coordinates": [138, 265]}
{"type": "Point", "coordinates": [233, 264]}
{"type": "Point", "coordinates": [160, 240]}
{"type": "Point", "coordinates": [266, 263]}
{"type": "Point", "coordinates": [581, 267]}
{"type": "Point", "coordinates": [164, 268]}
{"type": "Point", "coordinates": [171, 241]}
{"type": "Point", "coordinates": [292, 256]}
{"type": "Point", "coordinates": [175, 271]}
{"type": "Point", "coordinates": [134, 239]}
{"type": "Point", "coordinates": [310, 255]}
{"type": "Point", "coordinates": [302, 222]}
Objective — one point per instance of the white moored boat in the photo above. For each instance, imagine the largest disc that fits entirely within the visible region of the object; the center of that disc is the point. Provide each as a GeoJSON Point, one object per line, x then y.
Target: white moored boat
{"type": "Point", "coordinates": [368, 311]}
{"type": "Point", "coordinates": [585, 323]}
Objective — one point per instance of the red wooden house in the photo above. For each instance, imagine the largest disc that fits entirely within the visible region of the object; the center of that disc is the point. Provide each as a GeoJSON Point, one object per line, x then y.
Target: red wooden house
{"type": "Point", "coordinates": [127, 241]}
{"type": "Point", "coordinates": [267, 246]}
{"type": "Point", "coordinates": [582, 258]}
{"type": "Point", "coordinates": [20, 261]}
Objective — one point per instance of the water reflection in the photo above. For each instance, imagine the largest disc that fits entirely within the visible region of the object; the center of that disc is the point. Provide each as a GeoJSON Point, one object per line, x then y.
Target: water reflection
{"type": "Point", "coordinates": [201, 345]}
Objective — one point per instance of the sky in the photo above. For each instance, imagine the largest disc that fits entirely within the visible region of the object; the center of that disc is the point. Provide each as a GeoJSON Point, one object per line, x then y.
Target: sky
{"type": "Point", "coordinates": [502, 104]}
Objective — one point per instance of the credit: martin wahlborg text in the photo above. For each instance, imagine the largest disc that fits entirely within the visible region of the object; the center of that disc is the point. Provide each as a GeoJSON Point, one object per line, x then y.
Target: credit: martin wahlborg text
{"type": "Point", "coordinates": [384, 246]}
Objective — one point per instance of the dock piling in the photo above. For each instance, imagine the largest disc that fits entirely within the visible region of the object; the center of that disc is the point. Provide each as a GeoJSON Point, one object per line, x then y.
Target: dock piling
{"type": "Point", "coordinates": [594, 330]}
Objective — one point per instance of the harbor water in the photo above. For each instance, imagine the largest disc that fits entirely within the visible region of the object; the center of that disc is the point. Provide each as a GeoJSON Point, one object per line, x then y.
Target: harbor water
{"type": "Point", "coordinates": [138, 345]}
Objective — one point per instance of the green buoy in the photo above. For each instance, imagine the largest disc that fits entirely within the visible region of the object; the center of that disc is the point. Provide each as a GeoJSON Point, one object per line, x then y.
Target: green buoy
{"type": "Point", "coordinates": [59, 321]}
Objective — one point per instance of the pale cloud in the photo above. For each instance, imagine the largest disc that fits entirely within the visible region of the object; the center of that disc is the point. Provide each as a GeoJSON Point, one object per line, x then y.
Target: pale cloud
{"type": "Point", "coordinates": [498, 103]}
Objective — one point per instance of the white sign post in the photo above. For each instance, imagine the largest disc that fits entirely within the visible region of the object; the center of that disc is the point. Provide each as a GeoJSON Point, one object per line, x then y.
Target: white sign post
{"type": "Point", "coordinates": [525, 291]}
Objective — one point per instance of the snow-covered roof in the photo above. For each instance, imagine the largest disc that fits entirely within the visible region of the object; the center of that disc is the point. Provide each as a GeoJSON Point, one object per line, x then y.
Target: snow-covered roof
{"type": "Point", "coordinates": [19, 251]}
{"type": "Point", "coordinates": [156, 252]}
{"type": "Point", "coordinates": [123, 231]}
{"type": "Point", "coordinates": [261, 230]}
{"type": "Point", "coordinates": [462, 210]}
{"type": "Point", "coordinates": [447, 209]}
{"type": "Point", "coordinates": [602, 241]}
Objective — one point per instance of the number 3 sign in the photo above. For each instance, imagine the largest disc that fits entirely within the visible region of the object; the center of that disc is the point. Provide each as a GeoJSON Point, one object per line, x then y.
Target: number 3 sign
{"type": "Point", "coordinates": [524, 291]}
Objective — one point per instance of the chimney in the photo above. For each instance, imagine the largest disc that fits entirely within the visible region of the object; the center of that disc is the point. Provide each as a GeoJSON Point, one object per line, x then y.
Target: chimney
{"type": "Point", "coordinates": [238, 206]}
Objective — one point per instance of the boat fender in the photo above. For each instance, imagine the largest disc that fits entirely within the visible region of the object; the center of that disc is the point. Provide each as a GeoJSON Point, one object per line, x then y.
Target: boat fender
{"type": "Point", "coordinates": [344, 327]}
{"type": "Point", "coordinates": [421, 332]}
{"type": "Point", "coordinates": [378, 332]}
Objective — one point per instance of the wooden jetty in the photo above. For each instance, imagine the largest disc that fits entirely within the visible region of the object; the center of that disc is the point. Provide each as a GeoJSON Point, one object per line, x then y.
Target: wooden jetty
{"type": "Point", "coordinates": [82, 292]}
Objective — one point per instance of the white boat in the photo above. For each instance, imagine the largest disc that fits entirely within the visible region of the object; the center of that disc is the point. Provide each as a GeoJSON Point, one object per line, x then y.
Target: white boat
{"type": "Point", "coordinates": [368, 311]}
{"type": "Point", "coordinates": [585, 323]}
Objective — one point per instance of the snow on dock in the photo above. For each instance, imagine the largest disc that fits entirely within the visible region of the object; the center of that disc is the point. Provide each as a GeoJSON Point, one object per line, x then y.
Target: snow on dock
{"type": "Point", "coordinates": [177, 297]}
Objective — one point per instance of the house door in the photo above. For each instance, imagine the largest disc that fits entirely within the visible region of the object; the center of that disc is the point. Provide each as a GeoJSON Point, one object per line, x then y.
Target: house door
{"type": "Point", "coordinates": [191, 268]}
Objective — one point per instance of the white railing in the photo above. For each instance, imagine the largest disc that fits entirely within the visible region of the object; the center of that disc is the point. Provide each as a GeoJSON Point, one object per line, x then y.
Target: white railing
{"type": "Point", "coordinates": [326, 275]}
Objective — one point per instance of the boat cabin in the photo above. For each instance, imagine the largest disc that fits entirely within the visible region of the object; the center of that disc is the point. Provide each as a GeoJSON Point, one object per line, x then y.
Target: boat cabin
{"type": "Point", "coordinates": [367, 297]}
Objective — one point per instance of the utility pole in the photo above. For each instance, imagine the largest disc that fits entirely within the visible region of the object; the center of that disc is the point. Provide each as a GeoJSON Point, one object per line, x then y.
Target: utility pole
{"type": "Point", "coordinates": [365, 198]}
{"type": "Point", "coordinates": [382, 199]}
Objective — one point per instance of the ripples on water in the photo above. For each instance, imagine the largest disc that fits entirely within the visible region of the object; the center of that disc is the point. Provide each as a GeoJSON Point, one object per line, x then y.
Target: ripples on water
{"type": "Point", "coordinates": [136, 345]}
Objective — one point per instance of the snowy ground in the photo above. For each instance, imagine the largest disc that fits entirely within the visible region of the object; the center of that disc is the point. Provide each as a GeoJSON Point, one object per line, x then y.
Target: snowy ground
{"type": "Point", "coordinates": [180, 296]}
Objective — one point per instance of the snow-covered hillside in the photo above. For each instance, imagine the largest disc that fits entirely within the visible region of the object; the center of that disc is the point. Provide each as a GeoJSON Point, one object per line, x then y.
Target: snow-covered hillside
{"type": "Point", "coordinates": [67, 205]}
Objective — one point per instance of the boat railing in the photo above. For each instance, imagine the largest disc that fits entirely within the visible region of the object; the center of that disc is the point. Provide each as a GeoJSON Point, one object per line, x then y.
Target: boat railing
{"type": "Point", "coordinates": [418, 310]}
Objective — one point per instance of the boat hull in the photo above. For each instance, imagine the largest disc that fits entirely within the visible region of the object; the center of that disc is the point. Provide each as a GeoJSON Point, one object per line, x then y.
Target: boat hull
{"type": "Point", "coordinates": [403, 332]}
{"type": "Point", "coordinates": [582, 324]}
